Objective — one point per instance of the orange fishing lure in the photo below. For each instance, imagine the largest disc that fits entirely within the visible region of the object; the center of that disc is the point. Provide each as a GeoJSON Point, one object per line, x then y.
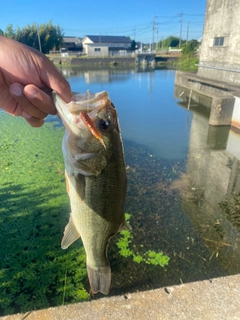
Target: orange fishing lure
{"type": "Point", "coordinates": [88, 122]}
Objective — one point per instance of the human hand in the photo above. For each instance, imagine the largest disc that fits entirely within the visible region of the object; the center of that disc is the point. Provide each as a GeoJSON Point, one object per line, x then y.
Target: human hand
{"type": "Point", "coordinates": [27, 78]}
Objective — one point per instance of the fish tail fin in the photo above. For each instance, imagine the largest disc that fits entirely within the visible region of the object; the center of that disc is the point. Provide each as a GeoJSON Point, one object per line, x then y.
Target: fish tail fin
{"type": "Point", "coordinates": [99, 279]}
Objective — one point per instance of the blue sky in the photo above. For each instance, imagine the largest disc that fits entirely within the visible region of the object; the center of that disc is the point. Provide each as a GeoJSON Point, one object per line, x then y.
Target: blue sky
{"type": "Point", "coordinates": [132, 18]}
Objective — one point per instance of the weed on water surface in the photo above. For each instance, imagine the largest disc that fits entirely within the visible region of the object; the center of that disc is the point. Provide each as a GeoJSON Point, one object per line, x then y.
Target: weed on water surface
{"type": "Point", "coordinates": [34, 271]}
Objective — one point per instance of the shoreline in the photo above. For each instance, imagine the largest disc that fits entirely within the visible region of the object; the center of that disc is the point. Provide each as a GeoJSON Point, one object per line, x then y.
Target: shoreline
{"type": "Point", "coordinates": [110, 61]}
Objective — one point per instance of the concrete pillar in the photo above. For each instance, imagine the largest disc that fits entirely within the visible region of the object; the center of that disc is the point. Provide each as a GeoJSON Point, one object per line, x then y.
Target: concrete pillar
{"type": "Point", "coordinates": [217, 137]}
{"type": "Point", "coordinates": [236, 113]}
{"type": "Point", "coordinates": [221, 111]}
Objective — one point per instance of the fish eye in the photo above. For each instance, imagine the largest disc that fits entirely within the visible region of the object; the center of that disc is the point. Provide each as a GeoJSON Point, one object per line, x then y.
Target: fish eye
{"type": "Point", "coordinates": [104, 125]}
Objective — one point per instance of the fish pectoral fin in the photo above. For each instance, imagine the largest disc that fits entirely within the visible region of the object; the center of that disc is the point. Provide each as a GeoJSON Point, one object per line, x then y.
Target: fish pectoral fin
{"type": "Point", "coordinates": [67, 182]}
{"type": "Point", "coordinates": [84, 156]}
{"type": "Point", "coordinates": [70, 235]}
{"type": "Point", "coordinates": [125, 226]}
{"type": "Point", "coordinates": [99, 279]}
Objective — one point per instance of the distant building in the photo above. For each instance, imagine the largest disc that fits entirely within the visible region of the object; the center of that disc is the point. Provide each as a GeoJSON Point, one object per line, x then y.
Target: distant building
{"type": "Point", "coordinates": [105, 45]}
{"type": "Point", "coordinates": [96, 49]}
{"type": "Point", "coordinates": [72, 43]}
{"type": "Point", "coordinates": [219, 53]}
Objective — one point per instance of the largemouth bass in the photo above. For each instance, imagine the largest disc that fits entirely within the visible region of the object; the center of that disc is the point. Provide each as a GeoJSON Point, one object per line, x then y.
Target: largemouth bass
{"type": "Point", "coordinates": [95, 179]}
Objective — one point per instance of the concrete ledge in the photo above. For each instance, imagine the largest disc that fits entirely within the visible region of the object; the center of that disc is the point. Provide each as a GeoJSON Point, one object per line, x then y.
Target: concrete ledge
{"type": "Point", "coordinates": [205, 86]}
{"type": "Point", "coordinates": [221, 111]}
{"type": "Point", "coordinates": [209, 300]}
{"type": "Point", "coordinates": [225, 104]}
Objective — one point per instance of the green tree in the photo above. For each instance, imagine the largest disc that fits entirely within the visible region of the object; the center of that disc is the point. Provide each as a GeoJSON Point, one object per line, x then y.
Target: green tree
{"type": "Point", "coordinates": [188, 61]}
{"type": "Point", "coordinates": [133, 45]}
{"type": "Point", "coordinates": [9, 32]}
{"type": "Point", "coordinates": [169, 42]}
{"type": "Point", "coordinates": [1, 32]}
{"type": "Point", "coordinates": [189, 48]}
{"type": "Point", "coordinates": [28, 35]}
{"type": "Point", "coordinates": [51, 36]}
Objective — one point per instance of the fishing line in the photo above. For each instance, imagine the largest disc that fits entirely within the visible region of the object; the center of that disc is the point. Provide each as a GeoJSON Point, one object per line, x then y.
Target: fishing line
{"type": "Point", "coordinates": [88, 98]}
{"type": "Point", "coordinates": [65, 280]}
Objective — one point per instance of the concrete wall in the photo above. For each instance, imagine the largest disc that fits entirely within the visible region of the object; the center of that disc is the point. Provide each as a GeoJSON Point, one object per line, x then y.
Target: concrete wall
{"type": "Point", "coordinates": [235, 121]}
{"type": "Point", "coordinates": [97, 50]}
{"type": "Point", "coordinates": [221, 62]}
{"type": "Point", "coordinates": [145, 59]}
{"type": "Point", "coordinates": [86, 62]}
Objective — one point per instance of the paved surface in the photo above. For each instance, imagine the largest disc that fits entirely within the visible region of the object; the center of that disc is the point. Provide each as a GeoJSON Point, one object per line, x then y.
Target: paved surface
{"type": "Point", "coordinates": [206, 300]}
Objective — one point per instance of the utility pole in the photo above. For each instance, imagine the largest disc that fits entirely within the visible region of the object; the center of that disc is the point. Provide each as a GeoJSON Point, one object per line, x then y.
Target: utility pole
{"type": "Point", "coordinates": [187, 32]}
{"type": "Point", "coordinates": [180, 37]}
{"type": "Point", "coordinates": [39, 40]}
{"type": "Point", "coordinates": [153, 29]}
{"type": "Point", "coordinates": [162, 42]}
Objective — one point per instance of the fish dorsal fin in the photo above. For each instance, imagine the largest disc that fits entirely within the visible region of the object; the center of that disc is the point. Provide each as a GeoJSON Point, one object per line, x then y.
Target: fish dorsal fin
{"type": "Point", "coordinates": [70, 235]}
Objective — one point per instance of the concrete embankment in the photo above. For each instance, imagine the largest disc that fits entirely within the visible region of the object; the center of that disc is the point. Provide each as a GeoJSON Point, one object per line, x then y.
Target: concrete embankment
{"type": "Point", "coordinates": [216, 299]}
{"type": "Point", "coordinates": [92, 61]}
{"type": "Point", "coordinates": [224, 96]}
{"type": "Point", "coordinates": [108, 60]}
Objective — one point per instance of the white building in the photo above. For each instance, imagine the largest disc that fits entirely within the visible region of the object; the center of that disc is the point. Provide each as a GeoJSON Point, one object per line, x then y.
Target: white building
{"type": "Point", "coordinates": [105, 45]}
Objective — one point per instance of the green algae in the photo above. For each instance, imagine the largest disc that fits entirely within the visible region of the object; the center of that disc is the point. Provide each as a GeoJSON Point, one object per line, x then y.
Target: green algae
{"type": "Point", "coordinates": [148, 257]}
{"type": "Point", "coordinates": [34, 271]}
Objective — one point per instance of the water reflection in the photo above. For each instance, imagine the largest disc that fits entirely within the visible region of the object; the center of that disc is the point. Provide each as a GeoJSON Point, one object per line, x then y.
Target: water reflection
{"type": "Point", "coordinates": [213, 177]}
{"type": "Point", "coordinates": [76, 71]}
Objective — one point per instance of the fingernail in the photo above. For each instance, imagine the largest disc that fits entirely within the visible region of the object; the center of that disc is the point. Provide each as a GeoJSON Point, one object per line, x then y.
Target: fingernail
{"type": "Point", "coordinates": [25, 114]}
{"type": "Point", "coordinates": [16, 90]}
{"type": "Point", "coordinates": [30, 92]}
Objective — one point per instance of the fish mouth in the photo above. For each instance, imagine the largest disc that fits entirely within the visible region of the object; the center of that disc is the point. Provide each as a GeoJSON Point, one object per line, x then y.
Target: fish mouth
{"type": "Point", "coordinates": [88, 102]}
{"type": "Point", "coordinates": [80, 103]}
{"type": "Point", "coordinates": [75, 114]}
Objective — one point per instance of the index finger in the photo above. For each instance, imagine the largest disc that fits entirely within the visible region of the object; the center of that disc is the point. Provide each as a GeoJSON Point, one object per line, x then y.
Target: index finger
{"type": "Point", "coordinates": [54, 80]}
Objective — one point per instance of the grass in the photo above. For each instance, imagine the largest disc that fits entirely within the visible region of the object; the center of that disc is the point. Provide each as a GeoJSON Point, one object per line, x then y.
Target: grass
{"type": "Point", "coordinates": [34, 210]}
{"type": "Point", "coordinates": [188, 64]}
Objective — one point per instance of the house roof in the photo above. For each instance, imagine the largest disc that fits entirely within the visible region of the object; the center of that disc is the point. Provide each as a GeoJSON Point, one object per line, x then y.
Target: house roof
{"type": "Point", "coordinates": [107, 39]}
{"type": "Point", "coordinates": [71, 39]}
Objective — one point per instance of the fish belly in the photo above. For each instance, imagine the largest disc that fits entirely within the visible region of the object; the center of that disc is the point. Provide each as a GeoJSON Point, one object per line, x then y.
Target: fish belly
{"type": "Point", "coordinates": [93, 217]}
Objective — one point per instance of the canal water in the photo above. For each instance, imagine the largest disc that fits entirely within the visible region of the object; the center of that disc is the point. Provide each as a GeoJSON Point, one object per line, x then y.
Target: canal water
{"type": "Point", "coordinates": [183, 199]}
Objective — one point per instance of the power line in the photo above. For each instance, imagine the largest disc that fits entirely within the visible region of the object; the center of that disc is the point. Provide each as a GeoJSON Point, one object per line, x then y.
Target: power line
{"type": "Point", "coordinates": [168, 26]}
{"type": "Point", "coordinates": [194, 14]}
